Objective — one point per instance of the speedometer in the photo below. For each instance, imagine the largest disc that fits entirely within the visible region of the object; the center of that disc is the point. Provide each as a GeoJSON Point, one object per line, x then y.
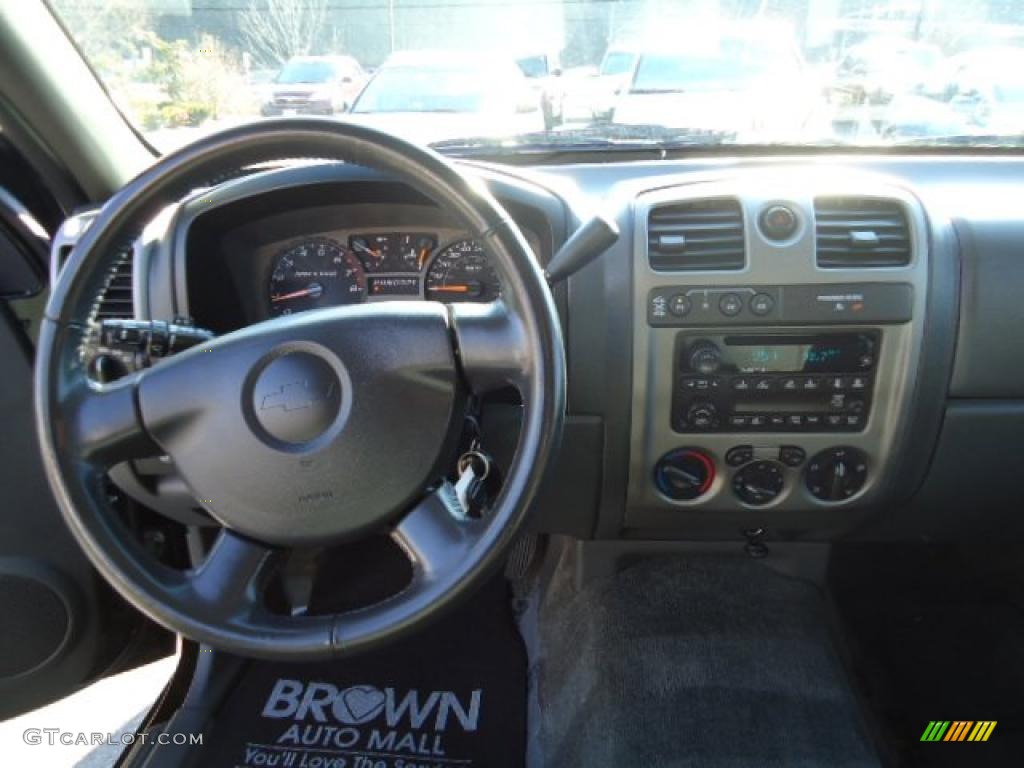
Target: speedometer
{"type": "Point", "coordinates": [319, 272]}
{"type": "Point", "coordinates": [462, 272]}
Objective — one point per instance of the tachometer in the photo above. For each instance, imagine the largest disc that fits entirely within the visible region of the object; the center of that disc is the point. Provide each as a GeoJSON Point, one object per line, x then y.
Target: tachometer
{"type": "Point", "coordinates": [315, 273]}
{"type": "Point", "coordinates": [462, 272]}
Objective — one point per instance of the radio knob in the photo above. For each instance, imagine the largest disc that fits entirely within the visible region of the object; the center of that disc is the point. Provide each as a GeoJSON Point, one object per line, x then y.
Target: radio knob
{"type": "Point", "coordinates": [702, 415]}
{"type": "Point", "coordinates": [705, 357]}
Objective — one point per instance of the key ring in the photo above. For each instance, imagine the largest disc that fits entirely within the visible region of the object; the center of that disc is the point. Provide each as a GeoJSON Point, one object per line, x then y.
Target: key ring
{"type": "Point", "coordinates": [468, 456]}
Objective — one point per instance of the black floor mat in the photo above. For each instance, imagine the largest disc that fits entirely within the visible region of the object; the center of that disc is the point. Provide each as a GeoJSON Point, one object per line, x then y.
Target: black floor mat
{"type": "Point", "coordinates": [936, 633]}
{"type": "Point", "coordinates": [694, 661]}
{"type": "Point", "coordinates": [453, 695]}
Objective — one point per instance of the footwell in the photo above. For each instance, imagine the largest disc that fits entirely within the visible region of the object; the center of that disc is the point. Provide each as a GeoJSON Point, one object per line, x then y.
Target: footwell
{"type": "Point", "coordinates": [695, 661]}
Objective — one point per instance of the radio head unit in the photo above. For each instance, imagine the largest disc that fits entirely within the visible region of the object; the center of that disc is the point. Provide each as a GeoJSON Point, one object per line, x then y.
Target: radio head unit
{"type": "Point", "coordinates": [779, 382]}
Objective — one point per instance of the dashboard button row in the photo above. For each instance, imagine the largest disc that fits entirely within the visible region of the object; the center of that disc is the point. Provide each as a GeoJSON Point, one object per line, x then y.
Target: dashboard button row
{"type": "Point", "coordinates": [710, 303]}
{"type": "Point", "coordinates": [800, 421]}
{"type": "Point", "coordinates": [798, 383]}
{"type": "Point", "coordinates": [790, 455]}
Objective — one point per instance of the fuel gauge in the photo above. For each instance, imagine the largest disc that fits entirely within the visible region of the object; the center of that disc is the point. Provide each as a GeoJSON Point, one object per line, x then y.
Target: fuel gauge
{"type": "Point", "coordinates": [416, 250]}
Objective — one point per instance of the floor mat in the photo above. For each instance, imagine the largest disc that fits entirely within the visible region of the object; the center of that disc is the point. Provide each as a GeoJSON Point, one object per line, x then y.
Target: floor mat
{"type": "Point", "coordinates": [695, 661]}
{"type": "Point", "coordinates": [453, 695]}
{"type": "Point", "coordinates": [936, 633]}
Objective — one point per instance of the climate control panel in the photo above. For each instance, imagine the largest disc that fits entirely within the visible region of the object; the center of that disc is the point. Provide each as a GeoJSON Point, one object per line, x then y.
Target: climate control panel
{"type": "Point", "coordinates": [759, 475]}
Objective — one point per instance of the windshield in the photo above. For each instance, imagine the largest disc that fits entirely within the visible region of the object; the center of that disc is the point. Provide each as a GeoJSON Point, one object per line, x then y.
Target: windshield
{"type": "Point", "coordinates": [507, 76]}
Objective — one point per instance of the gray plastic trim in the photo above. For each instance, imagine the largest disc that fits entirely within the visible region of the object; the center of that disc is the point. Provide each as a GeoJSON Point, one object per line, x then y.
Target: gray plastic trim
{"type": "Point", "coordinates": [769, 264]}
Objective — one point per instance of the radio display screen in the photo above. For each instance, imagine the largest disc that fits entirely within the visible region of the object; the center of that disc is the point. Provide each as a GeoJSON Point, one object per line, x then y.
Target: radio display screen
{"type": "Point", "coordinates": [795, 355]}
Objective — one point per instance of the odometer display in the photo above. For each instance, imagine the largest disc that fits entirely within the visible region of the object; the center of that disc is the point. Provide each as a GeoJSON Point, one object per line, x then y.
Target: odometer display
{"type": "Point", "coordinates": [315, 273]}
{"type": "Point", "coordinates": [462, 272]}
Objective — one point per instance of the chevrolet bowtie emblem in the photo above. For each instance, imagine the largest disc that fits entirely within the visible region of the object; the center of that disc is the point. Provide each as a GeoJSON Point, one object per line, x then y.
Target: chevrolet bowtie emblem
{"type": "Point", "coordinates": [296, 396]}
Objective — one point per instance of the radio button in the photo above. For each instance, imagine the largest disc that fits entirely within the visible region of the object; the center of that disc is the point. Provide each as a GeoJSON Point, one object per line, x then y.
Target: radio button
{"type": "Point", "coordinates": [858, 382]}
{"type": "Point", "coordinates": [764, 385]}
{"type": "Point", "coordinates": [834, 420]}
{"type": "Point", "coordinates": [741, 384]}
{"type": "Point", "coordinates": [758, 420]}
{"type": "Point", "coordinates": [812, 420]}
{"type": "Point", "coordinates": [789, 384]}
{"type": "Point", "coordinates": [777, 420]}
{"type": "Point", "coordinates": [854, 421]}
{"type": "Point", "coordinates": [790, 455]}
{"type": "Point", "coordinates": [738, 421]}
{"type": "Point", "coordinates": [796, 420]}
{"type": "Point", "coordinates": [761, 304]}
{"type": "Point", "coordinates": [838, 383]}
{"type": "Point", "coordinates": [730, 305]}
{"type": "Point", "coordinates": [812, 384]}
{"type": "Point", "coordinates": [680, 305]}
{"type": "Point", "coordinates": [740, 455]}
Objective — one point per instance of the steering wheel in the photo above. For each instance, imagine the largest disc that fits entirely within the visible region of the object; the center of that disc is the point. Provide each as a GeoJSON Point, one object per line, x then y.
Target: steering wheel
{"type": "Point", "coordinates": [308, 429]}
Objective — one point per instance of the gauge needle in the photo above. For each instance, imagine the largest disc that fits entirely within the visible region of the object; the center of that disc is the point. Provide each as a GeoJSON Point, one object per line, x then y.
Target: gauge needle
{"type": "Point", "coordinates": [365, 249]}
{"type": "Point", "coordinates": [423, 257]}
{"type": "Point", "coordinates": [313, 290]}
{"type": "Point", "coordinates": [451, 289]}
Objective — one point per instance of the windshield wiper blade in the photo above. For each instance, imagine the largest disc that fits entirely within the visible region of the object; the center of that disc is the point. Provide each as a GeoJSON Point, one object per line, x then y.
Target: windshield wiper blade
{"type": "Point", "coordinates": [611, 137]}
{"type": "Point", "coordinates": [981, 139]}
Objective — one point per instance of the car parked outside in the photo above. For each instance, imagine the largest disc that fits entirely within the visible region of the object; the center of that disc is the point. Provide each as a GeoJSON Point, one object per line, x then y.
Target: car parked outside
{"type": "Point", "coordinates": [543, 70]}
{"type": "Point", "coordinates": [735, 81]}
{"type": "Point", "coordinates": [315, 85]}
{"type": "Point", "coordinates": [881, 68]}
{"type": "Point", "coordinates": [987, 89]}
{"type": "Point", "coordinates": [427, 96]}
{"type": "Point", "coordinates": [590, 93]}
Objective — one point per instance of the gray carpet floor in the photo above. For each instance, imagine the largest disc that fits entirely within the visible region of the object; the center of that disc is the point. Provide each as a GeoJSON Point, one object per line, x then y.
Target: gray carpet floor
{"type": "Point", "coordinates": [691, 661]}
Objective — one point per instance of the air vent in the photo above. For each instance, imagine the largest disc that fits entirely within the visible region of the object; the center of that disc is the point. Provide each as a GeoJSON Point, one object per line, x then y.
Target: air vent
{"type": "Point", "coordinates": [697, 235]}
{"type": "Point", "coordinates": [115, 300]}
{"type": "Point", "coordinates": [861, 232]}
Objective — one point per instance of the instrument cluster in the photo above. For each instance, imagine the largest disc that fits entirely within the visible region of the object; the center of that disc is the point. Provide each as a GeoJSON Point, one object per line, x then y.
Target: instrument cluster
{"type": "Point", "coordinates": [323, 271]}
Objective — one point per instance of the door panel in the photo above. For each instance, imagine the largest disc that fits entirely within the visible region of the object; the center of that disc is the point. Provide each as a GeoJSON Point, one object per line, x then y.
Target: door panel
{"type": "Point", "coordinates": [62, 625]}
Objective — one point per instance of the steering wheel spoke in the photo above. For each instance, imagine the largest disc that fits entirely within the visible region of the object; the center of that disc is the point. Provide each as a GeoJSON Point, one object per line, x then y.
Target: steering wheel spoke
{"type": "Point", "coordinates": [492, 346]}
{"type": "Point", "coordinates": [232, 578]}
{"type": "Point", "coordinates": [436, 535]}
{"type": "Point", "coordinates": [104, 424]}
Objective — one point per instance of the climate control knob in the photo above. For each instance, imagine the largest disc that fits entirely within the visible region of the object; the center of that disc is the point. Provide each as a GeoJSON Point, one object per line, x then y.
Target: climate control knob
{"type": "Point", "coordinates": [837, 474]}
{"type": "Point", "coordinates": [684, 474]}
{"type": "Point", "coordinates": [759, 483]}
{"type": "Point", "coordinates": [705, 357]}
{"type": "Point", "coordinates": [702, 415]}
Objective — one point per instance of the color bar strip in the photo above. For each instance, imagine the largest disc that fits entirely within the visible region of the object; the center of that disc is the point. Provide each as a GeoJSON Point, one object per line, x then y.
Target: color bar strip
{"type": "Point", "coordinates": [935, 730]}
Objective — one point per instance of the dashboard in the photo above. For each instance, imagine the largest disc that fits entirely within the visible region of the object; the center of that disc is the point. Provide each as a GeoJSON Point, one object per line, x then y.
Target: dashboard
{"type": "Point", "coordinates": [812, 347]}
